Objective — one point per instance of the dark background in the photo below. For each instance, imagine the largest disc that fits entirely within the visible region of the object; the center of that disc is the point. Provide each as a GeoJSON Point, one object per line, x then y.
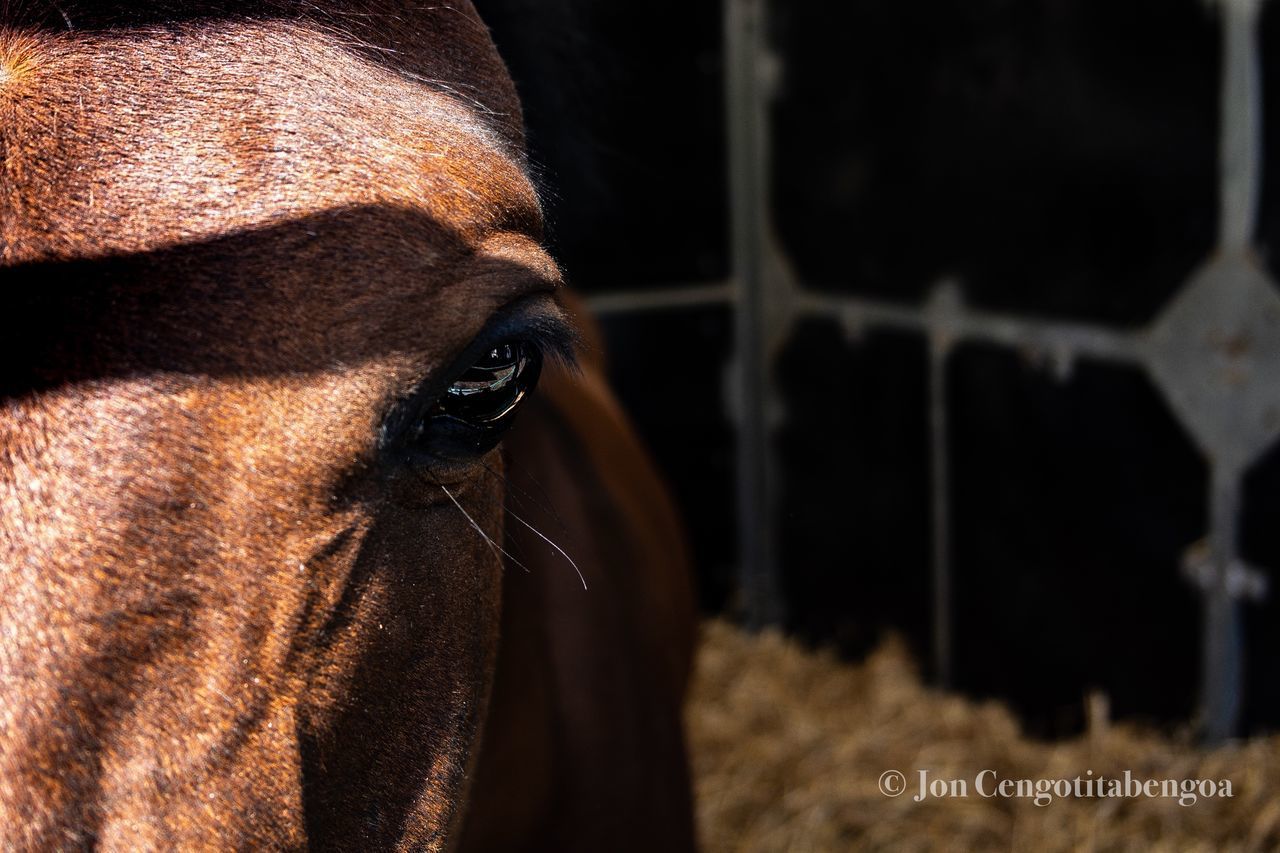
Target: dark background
{"type": "Point", "coordinates": [1057, 158]}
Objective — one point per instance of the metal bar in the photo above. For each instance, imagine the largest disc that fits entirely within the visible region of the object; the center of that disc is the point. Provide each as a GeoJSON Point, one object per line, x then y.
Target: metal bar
{"type": "Point", "coordinates": [663, 298]}
{"type": "Point", "coordinates": [1223, 650]}
{"type": "Point", "coordinates": [857, 313]}
{"type": "Point", "coordinates": [1054, 338]}
{"type": "Point", "coordinates": [744, 39]}
{"type": "Point", "coordinates": [1240, 166]}
{"type": "Point", "coordinates": [939, 353]}
{"type": "Point", "coordinates": [766, 301]}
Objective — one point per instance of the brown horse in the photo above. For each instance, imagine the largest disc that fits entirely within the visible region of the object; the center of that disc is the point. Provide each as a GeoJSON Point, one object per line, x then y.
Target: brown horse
{"type": "Point", "coordinates": [274, 294]}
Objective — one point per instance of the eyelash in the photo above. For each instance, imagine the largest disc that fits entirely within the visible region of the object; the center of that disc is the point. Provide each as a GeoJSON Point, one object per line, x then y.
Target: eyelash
{"type": "Point", "coordinates": [433, 422]}
{"type": "Point", "coordinates": [475, 411]}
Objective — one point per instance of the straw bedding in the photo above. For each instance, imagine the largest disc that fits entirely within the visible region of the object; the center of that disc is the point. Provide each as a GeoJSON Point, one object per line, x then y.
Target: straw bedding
{"type": "Point", "coordinates": [789, 745]}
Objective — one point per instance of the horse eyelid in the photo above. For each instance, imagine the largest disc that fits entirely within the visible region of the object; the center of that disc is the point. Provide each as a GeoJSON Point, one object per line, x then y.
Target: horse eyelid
{"type": "Point", "coordinates": [547, 329]}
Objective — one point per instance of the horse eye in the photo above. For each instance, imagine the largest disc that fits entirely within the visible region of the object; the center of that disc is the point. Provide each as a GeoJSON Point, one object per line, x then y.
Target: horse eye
{"type": "Point", "coordinates": [474, 412]}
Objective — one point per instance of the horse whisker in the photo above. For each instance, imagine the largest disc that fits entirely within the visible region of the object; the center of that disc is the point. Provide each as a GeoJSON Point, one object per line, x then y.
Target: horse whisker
{"type": "Point", "coordinates": [493, 546]}
{"type": "Point", "coordinates": [552, 544]}
{"type": "Point", "coordinates": [532, 502]}
{"type": "Point", "coordinates": [546, 496]}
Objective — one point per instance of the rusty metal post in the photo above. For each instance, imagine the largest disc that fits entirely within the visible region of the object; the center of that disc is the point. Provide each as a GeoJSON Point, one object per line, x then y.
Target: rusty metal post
{"type": "Point", "coordinates": [1222, 679]}
{"type": "Point", "coordinates": [1222, 394]}
{"type": "Point", "coordinates": [943, 314]}
{"type": "Point", "coordinates": [939, 353]}
{"type": "Point", "coordinates": [1240, 141]}
{"type": "Point", "coordinates": [1240, 166]}
{"type": "Point", "coordinates": [748, 197]}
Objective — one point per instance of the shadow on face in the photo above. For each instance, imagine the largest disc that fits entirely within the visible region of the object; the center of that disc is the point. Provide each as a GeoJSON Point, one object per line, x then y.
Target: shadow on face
{"type": "Point", "coordinates": [235, 606]}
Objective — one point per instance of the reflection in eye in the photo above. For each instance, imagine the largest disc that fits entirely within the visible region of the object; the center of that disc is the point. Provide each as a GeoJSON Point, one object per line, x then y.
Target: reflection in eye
{"type": "Point", "coordinates": [479, 406]}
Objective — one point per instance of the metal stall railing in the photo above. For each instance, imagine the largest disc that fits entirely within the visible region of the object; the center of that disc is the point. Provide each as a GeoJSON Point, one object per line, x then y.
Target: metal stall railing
{"type": "Point", "coordinates": [1214, 351]}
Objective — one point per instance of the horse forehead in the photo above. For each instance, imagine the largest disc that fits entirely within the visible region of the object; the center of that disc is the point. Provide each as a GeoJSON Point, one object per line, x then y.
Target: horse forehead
{"type": "Point", "coordinates": [128, 142]}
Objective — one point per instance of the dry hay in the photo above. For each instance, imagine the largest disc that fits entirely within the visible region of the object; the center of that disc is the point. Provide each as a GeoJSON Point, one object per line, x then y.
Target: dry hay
{"type": "Point", "coordinates": [788, 747]}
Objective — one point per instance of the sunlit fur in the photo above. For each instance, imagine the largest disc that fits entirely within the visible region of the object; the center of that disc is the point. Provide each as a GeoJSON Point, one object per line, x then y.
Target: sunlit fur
{"type": "Point", "coordinates": [233, 238]}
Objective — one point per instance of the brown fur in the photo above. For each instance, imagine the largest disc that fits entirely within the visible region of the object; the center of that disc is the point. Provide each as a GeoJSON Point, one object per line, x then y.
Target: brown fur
{"type": "Point", "coordinates": [586, 733]}
{"type": "Point", "coordinates": [232, 237]}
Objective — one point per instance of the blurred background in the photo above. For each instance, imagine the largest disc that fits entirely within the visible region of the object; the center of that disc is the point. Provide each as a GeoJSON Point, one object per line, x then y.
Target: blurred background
{"type": "Point", "coordinates": [949, 320]}
{"type": "Point", "coordinates": [952, 327]}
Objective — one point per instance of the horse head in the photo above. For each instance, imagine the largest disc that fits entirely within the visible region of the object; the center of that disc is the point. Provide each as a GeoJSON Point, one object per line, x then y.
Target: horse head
{"type": "Point", "coordinates": [275, 292]}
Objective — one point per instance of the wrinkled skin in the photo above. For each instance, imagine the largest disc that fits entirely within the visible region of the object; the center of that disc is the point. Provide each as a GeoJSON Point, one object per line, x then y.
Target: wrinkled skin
{"type": "Point", "coordinates": [235, 612]}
